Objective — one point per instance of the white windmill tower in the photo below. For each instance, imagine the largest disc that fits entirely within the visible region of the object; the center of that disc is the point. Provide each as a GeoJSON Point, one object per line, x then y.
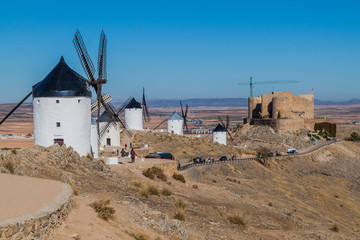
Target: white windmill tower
{"type": "Point", "coordinates": [62, 113]}
{"type": "Point", "coordinates": [175, 124]}
{"type": "Point", "coordinates": [134, 115]}
{"type": "Point", "coordinates": [219, 134]}
{"type": "Point", "coordinates": [109, 131]}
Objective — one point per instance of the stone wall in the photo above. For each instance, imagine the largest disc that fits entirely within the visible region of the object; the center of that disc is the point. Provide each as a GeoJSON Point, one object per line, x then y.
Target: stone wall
{"type": "Point", "coordinates": [288, 125]}
{"type": "Point", "coordinates": [38, 225]}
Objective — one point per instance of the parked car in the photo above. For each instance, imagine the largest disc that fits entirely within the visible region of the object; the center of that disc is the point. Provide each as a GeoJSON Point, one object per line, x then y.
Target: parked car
{"type": "Point", "coordinates": [223, 158]}
{"type": "Point", "coordinates": [162, 155]}
{"type": "Point", "coordinates": [292, 151]}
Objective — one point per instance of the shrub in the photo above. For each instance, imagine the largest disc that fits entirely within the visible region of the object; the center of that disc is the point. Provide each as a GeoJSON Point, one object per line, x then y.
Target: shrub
{"type": "Point", "coordinates": [166, 192]}
{"type": "Point", "coordinates": [155, 172]}
{"type": "Point", "coordinates": [180, 215]}
{"type": "Point", "coordinates": [153, 190]}
{"type": "Point", "coordinates": [180, 204]}
{"type": "Point", "coordinates": [14, 151]}
{"type": "Point", "coordinates": [179, 177]}
{"type": "Point", "coordinates": [353, 137]}
{"type": "Point", "coordinates": [334, 228]}
{"type": "Point", "coordinates": [138, 184]}
{"type": "Point", "coordinates": [270, 204]}
{"type": "Point", "coordinates": [104, 211]}
{"type": "Point", "coordinates": [10, 167]}
{"type": "Point", "coordinates": [89, 156]}
{"type": "Point", "coordinates": [140, 236]}
{"type": "Point", "coordinates": [145, 192]}
{"type": "Point", "coordinates": [195, 186]}
{"type": "Point", "coordinates": [233, 180]}
{"type": "Point", "coordinates": [237, 219]}
{"type": "Point", "coordinates": [214, 181]}
{"type": "Point", "coordinates": [262, 154]}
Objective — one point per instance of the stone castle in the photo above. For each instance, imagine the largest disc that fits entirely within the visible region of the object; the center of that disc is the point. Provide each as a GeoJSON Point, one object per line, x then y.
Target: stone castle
{"type": "Point", "coordinates": [283, 111]}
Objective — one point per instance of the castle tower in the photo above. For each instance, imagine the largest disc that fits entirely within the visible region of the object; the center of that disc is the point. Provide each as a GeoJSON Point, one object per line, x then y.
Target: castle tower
{"type": "Point", "coordinates": [94, 139]}
{"type": "Point", "coordinates": [112, 135]}
{"type": "Point", "coordinates": [62, 110]}
{"type": "Point", "coordinates": [219, 134]}
{"type": "Point", "coordinates": [134, 115]}
{"type": "Point", "coordinates": [175, 124]}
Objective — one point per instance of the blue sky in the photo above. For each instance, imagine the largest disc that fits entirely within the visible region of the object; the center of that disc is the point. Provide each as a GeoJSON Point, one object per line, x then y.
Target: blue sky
{"type": "Point", "coordinates": [187, 49]}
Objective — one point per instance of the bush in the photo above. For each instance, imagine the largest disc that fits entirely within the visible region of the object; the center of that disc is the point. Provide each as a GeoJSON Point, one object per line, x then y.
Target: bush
{"type": "Point", "coordinates": [195, 186]}
{"type": "Point", "coordinates": [138, 184]}
{"type": "Point", "coordinates": [104, 211]}
{"type": "Point", "coordinates": [89, 156]}
{"type": "Point", "coordinates": [10, 167]}
{"type": "Point", "coordinates": [334, 228]}
{"type": "Point", "coordinates": [237, 219]}
{"type": "Point", "coordinates": [153, 190]}
{"type": "Point", "coordinates": [353, 137]}
{"type": "Point", "coordinates": [145, 192]}
{"type": "Point", "coordinates": [166, 192]}
{"type": "Point", "coordinates": [214, 181]}
{"type": "Point", "coordinates": [155, 172]}
{"type": "Point", "coordinates": [140, 236]}
{"type": "Point", "coordinates": [14, 151]}
{"type": "Point", "coordinates": [180, 215]}
{"type": "Point", "coordinates": [179, 177]}
{"type": "Point", "coordinates": [233, 180]}
{"type": "Point", "coordinates": [180, 204]}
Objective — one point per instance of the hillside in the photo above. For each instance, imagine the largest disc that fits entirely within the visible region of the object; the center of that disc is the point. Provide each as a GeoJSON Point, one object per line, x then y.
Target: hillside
{"type": "Point", "coordinates": [294, 198]}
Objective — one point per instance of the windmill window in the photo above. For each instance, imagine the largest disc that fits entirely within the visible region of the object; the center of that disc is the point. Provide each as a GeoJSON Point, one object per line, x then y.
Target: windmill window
{"type": "Point", "coordinates": [38, 101]}
{"type": "Point", "coordinates": [79, 100]}
{"type": "Point", "coordinates": [57, 101]}
{"type": "Point", "coordinates": [57, 124]}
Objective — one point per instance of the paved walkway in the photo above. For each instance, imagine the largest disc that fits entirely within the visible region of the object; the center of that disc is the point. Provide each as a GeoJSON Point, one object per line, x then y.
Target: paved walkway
{"type": "Point", "coordinates": [26, 197]}
{"type": "Point", "coordinates": [303, 152]}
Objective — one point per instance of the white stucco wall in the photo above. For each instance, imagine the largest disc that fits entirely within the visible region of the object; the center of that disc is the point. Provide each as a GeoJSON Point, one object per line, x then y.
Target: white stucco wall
{"type": "Point", "coordinates": [134, 118]}
{"type": "Point", "coordinates": [74, 116]}
{"type": "Point", "coordinates": [175, 126]}
{"type": "Point", "coordinates": [94, 141]}
{"type": "Point", "coordinates": [112, 133]}
{"type": "Point", "coordinates": [219, 137]}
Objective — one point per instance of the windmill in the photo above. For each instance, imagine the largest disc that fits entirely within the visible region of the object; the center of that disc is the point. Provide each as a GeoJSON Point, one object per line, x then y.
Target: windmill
{"type": "Point", "coordinates": [251, 84]}
{"type": "Point", "coordinates": [184, 115]}
{"type": "Point", "coordinates": [90, 72]}
{"type": "Point", "coordinates": [226, 125]}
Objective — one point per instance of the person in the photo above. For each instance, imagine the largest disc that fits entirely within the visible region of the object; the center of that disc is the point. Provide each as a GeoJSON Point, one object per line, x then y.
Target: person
{"type": "Point", "coordinates": [117, 152]}
{"type": "Point", "coordinates": [122, 153]}
{"type": "Point", "coordinates": [130, 145]}
{"type": "Point", "coordinates": [132, 155]}
{"type": "Point", "coordinates": [125, 145]}
{"type": "Point", "coordinates": [179, 166]}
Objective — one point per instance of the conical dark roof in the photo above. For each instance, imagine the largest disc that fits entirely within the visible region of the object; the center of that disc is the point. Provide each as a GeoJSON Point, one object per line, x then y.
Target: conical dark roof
{"type": "Point", "coordinates": [62, 81]}
{"type": "Point", "coordinates": [219, 128]}
{"type": "Point", "coordinates": [104, 117]}
{"type": "Point", "coordinates": [133, 104]}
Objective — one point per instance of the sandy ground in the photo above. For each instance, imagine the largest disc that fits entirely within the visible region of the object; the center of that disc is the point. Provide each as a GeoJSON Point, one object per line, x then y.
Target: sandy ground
{"type": "Point", "coordinates": [14, 189]}
{"type": "Point", "coordinates": [16, 143]}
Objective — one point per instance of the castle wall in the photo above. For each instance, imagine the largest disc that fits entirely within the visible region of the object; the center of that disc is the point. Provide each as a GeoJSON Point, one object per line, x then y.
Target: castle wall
{"type": "Point", "coordinates": [288, 125]}
{"type": "Point", "coordinates": [280, 105]}
{"type": "Point", "coordinates": [302, 106]}
{"type": "Point", "coordinates": [254, 106]}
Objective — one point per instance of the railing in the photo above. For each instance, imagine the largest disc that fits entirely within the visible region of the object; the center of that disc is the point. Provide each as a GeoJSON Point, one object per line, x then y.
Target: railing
{"type": "Point", "coordinates": [191, 165]}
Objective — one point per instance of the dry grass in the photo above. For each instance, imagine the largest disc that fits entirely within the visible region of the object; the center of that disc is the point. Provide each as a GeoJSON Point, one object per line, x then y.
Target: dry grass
{"type": "Point", "coordinates": [138, 184]}
{"type": "Point", "coordinates": [155, 172]}
{"type": "Point", "coordinates": [237, 219]}
{"type": "Point", "coordinates": [166, 192]}
{"type": "Point", "coordinates": [103, 210]}
{"type": "Point", "coordinates": [153, 190]}
{"type": "Point", "coordinates": [181, 204]}
{"type": "Point", "coordinates": [180, 215]}
{"type": "Point", "coordinates": [9, 165]}
{"type": "Point", "coordinates": [179, 177]}
{"type": "Point", "coordinates": [334, 228]}
{"type": "Point", "coordinates": [139, 236]}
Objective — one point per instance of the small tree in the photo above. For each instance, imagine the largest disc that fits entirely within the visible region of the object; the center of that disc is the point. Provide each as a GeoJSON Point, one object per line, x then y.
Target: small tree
{"type": "Point", "coordinates": [262, 154]}
{"type": "Point", "coordinates": [279, 115]}
{"type": "Point", "coordinates": [354, 136]}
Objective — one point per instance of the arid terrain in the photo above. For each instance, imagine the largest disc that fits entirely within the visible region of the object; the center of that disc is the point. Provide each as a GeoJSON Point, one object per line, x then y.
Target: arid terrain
{"type": "Point", "coordinates": [314, 196]}
{"type": "Point", "coordinates": [301, 197]}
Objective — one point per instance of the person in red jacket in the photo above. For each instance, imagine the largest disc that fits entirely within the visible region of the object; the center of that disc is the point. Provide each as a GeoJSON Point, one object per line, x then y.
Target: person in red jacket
{"type": "Point", "coordinates": [132, 155]}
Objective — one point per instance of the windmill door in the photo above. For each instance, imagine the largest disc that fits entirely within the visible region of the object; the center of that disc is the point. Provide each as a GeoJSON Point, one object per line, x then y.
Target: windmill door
{"type": "Point", "coordinates": [108, 141]}
{"type": "Point", "coordinates": [59, 141]}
